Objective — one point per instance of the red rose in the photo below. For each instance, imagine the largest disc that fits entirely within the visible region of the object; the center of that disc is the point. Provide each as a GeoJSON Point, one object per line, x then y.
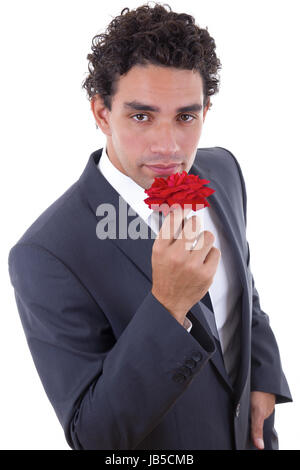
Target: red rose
{"type": "Point", "coordinates": [178, 188]}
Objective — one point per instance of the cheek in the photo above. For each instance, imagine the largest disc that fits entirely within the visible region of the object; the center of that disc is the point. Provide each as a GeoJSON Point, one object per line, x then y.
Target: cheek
{"type": "Point", "coordinates": [128, 139]}
{"type": "Point", "coordinates": [128, 152]}
{"type": "Point", "coordinates": [189, 139]}
{"type": "Point", "coordinates": [132, 144]}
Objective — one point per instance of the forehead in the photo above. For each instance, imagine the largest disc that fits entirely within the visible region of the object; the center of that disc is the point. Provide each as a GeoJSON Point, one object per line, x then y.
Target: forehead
{"type": "Point", "coordinates": [165, 85]}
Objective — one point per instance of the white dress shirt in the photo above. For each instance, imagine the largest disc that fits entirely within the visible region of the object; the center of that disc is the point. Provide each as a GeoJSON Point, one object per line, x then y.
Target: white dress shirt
{"type": "Point", "coordinates": [225, 289]}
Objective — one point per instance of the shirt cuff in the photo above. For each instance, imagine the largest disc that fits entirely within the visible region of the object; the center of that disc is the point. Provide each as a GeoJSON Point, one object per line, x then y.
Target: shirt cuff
{"type": "Point", "coordinates": [187, 324]}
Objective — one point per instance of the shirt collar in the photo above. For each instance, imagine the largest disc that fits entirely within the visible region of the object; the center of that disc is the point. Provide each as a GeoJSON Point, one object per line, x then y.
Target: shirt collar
{"type": "Point", "coordinates": [128, 189]}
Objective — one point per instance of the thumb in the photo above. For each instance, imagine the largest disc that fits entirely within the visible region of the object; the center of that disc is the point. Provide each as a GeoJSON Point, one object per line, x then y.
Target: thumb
{"type": "Point", "coordinates": [257, 424]}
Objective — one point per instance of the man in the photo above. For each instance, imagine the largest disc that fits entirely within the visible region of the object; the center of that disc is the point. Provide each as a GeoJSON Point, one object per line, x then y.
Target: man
{"type": "Point", "coordinates": [140, 343]}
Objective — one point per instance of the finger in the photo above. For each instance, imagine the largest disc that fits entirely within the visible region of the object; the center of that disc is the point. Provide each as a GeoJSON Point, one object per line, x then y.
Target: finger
{"type": "Point", "coordinates": [257, 425]}
{"type": "Point", "coordinates": [190, 232]}
{"type": "Point", "coordinates": [173, 223]}
{"type": "Point", "coordinates": [202, 248]}
{"type": "Point", "coordinates": [212, 259]}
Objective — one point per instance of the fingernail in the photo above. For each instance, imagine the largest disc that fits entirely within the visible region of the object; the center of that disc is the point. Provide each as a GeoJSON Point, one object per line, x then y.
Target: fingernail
{"type": "Point", "coordinates": [260, 443]}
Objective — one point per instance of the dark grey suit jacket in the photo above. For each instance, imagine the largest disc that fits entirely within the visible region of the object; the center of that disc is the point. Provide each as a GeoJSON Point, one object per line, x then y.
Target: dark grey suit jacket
{"type": "Point", "coordinates": [117, 367]}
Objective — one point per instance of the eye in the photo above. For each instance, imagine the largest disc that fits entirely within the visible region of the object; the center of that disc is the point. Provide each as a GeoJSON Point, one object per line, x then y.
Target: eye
{"type": "Point", "coordinates": [189, 116]}
{"type": "Point", "coordinates": [138, 120]}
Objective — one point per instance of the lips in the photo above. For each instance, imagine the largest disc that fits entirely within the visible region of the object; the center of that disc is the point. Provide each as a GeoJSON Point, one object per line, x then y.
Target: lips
{"type": "Point", "coordinates": [163, 165]}
{"type": "Point", "coordinates": [163, 169]}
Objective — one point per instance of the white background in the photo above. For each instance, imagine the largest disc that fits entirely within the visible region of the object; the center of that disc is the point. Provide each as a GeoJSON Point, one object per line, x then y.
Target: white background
{"type": "Point", "coordinates": [48, 133]}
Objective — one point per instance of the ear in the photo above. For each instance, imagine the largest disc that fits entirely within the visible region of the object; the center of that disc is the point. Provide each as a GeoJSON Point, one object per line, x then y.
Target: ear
{"type": "Point", "coordinates": [101, 114]}
{"type": "Point", "coordinates": [206, 109]}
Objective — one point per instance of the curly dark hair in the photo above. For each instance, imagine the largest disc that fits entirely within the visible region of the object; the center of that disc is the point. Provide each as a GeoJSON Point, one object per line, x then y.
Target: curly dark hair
{"type": "Point", "coordinates": [150, 35]}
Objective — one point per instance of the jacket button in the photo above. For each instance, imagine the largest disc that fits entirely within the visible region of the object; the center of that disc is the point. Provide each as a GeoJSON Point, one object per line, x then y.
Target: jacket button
{"type": "Point", "coordinates": [197, 356]}
{"type": "Point", "coordinates": [179, 378]}
{"type": "Point", "coordinates": [237, 410]}
{"type": "Point", "coordinates": [190, 363]}
{"type": "Point", "coordinates": [186, 371]}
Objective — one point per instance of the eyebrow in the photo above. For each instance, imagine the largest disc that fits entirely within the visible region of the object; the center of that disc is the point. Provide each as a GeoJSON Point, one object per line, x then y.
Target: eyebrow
{"type": "Point", "coordinates": [136, 105]}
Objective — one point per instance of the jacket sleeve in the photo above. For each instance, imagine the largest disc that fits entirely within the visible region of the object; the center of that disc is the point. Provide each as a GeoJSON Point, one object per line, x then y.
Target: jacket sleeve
{"type": "Point", "coordinates": [107, 392]}
{"type": "Point", "coordinates": [266, 370]}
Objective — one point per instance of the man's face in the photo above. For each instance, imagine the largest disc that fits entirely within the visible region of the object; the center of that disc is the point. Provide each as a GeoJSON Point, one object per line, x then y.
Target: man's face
{"type": "Point", "coordinates": [152, 122]}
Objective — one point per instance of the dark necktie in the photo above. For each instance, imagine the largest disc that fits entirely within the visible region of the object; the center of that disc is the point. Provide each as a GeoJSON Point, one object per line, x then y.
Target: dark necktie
{"type": "Point", "coordinates": [210, 315]}
{"type": "Point", "coordinates": [206, 300]}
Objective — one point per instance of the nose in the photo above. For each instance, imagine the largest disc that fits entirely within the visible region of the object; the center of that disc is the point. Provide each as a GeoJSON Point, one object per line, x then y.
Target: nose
{"type": "Point", "coordinates": [164, 141]}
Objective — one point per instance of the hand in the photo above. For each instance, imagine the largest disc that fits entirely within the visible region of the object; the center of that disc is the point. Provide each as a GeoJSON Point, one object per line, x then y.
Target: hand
{"type": "Point", "coordinates": [181, 276]}
{"type": "Point", "coordinates": [262, 406]}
